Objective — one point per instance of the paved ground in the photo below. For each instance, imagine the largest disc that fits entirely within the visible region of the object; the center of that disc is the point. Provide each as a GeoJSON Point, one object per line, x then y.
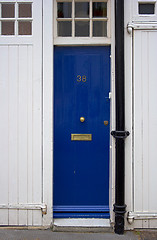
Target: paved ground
{"type": "Point", "coordinates": [12, 234]}
{"type": "Point", "coordinates": [7, 234]}
{"type": "Point", "coordinates": [147, 235]}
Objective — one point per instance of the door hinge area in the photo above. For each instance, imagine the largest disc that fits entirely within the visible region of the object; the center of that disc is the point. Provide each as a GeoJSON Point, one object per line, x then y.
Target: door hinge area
{"type": "Point", "coordinates": [131, 216]}
{"type": "Point", "coordinates": [27, 206]}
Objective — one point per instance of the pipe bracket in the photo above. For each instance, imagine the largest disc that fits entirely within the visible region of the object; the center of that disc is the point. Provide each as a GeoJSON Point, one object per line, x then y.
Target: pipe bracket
{"type": "Point", "coordinates": [120, 134]}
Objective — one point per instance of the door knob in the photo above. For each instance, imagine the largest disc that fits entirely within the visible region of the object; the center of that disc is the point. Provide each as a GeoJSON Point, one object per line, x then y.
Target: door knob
{"type": "Point", "coordinates": [82, 119]}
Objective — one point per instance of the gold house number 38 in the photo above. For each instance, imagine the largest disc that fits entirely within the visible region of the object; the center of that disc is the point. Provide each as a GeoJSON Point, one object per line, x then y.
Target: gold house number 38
{"type": "Point", "coordinates": [81, 78]}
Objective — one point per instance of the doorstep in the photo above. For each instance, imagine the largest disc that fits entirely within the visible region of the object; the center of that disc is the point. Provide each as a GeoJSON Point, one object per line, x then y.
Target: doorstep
{"type": "Point", "coordinates": [82, 225]}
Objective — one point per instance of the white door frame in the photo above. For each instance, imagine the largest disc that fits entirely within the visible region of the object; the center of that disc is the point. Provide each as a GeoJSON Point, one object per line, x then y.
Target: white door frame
{"type": "Point", "coordinates": [47, 109]}
{"type": "Point", "coordinates": [48, 45]}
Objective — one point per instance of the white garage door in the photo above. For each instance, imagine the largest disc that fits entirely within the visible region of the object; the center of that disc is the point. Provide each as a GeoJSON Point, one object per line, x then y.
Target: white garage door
{"type": "Point", "coordinates": [21, 112]}
{"type": "Point", "coordinates": [145, 123]}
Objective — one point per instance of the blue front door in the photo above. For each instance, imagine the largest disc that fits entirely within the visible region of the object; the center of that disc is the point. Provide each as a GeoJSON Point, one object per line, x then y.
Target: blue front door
{"type": "Point", "coordinates": [81, 131]}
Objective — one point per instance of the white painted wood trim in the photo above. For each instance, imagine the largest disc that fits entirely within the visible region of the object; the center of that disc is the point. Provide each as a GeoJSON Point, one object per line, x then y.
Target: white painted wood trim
{"type": "Point", "coordinates": [19, 40]}
{"type": "Point", "coordinates": [112, 116]}
{"type": "Point", "coordinates": [82, 41]}
{"type": "Point", "coordinates": [82, 222]}
{"type": "Point", "coordinates": [48, 109]}
{"type": "Point", "coordinates": [109, 18]}
{"type": "Point", "coordinates": [128, 111]}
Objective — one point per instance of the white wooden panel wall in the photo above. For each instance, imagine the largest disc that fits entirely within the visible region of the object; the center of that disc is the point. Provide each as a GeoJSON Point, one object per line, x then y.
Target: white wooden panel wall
{"type": "Point", "coordinates": [145, 123]}
{"type": "Point", "coordinates": [20, 183]}
{"type": "Point", "coordinates": [21, 124]}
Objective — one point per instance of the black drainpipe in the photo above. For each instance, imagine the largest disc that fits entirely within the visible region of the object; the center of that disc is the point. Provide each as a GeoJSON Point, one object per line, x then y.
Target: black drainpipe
{"type": "Point", "coordinates": [119, 134]}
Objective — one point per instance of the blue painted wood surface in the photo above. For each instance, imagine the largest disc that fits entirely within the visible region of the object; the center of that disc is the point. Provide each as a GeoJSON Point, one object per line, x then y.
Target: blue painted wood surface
{"type": "Point", "coordinates": [81, 168]}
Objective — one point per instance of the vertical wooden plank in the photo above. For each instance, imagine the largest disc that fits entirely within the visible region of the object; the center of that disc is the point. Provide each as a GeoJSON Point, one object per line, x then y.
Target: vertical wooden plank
{"type": "Point", "coordinates": [4, 132]}
{"type": "Point", "coordinates": [47, 109]}
{"type": "Point", "coordinates": [138, 223]}
{"type": "Point", "coordinates": [145, 223]}
{"type": "Point", "coordinates": [128, 110]}
{"type": "Point", "coordinates": [37, 110]}
{"type": "Point", "coordinates": [29, 129]}
{"type": "Point", "coordinates": [145, 119]}
{"type": "Point", "coordinates": [138, 123]}
{"type": "Point", "coordinates": [23, 125]}
{"type": "Point", "coordinates": [13, 131]}
{"type": "Point", "coordinates": [153, 223]}
{"type": "Point", "coordinates": [152, 121]}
